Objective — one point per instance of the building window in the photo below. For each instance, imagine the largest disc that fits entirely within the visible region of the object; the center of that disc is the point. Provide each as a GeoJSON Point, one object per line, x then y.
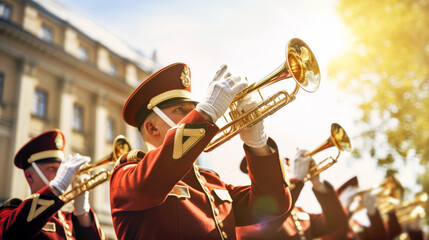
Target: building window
{"type": "Point", "coordinates": [46, 33]}
{"type": "Point", "coordinates": [113, 69]}
{"type": "Point", "coordinates": [39, 103]}
{"type": "Point", "coordinates": [82, 53]}
{"type": "Point", "coordinates": [77, 118]}
{"type": "Point", "coordinates": [5, 11]}
{"type": "Point", "coordinates": [1, 86]}
{"type": "Point", "coordinates": [110, 131]}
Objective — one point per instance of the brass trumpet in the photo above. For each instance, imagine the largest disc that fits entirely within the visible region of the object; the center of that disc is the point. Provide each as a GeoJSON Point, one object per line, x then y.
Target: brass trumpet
{"type": "Point", "coordinates": [338, 139]}
{"type": "Point", "coordinates": [410, 211]}
{"type": "Point", "coordinates": [300, 64]}
{"type": "Point", "coordinates": [121, 146]}
{"type": "Point", "coordinates": [388, 194]}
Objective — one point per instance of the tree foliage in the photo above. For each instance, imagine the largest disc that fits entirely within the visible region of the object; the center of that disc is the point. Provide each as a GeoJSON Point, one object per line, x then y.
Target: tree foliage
{"type": "Point", "coordinates": [386, 64]}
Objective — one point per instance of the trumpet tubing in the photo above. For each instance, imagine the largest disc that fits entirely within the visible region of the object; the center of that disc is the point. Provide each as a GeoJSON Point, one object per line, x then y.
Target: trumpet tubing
{"type": "Point", "coordinates": [388, 196]}
{"type": "Point", "coordinates": [410, 211]}
{"type": "Point", "coordinates": [121, 146]}
{"type": "Point", "coordinates": [411, 215]}
{"type": "Point", "coordinates": [300, 64]}
{"type": "Point", "coordinates": [320, 167]}
{"type": "Point", "coordinates": [250, 118]}
{"type": "Point", "coordinates": [339, 139]}
{"type": "Point", "coordinates": [86, 185]}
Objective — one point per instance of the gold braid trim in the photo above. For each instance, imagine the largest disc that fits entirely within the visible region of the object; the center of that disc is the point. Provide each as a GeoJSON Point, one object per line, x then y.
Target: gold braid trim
{"type": "Point", "coordinates": [131, 156]}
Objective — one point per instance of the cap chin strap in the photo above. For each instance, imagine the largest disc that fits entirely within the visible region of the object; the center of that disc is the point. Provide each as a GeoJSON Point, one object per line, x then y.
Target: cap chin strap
{"type": "Point", "coordinates": [164, 117]}
{"type": "Point", "coordinates": [41, 175]}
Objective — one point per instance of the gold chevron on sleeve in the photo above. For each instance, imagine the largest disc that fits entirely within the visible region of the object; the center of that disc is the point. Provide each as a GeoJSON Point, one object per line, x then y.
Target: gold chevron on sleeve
{"type": "Point", "coordinates": [185, 138]}
{"type": "Point", "coordinates": [38, 206]}
{"type": "Point", "coordinates": [49, 227]}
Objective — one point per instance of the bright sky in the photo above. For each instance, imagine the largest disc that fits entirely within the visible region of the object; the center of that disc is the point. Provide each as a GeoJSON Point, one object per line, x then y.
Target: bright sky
{"type": "Point", "coordinates": [250, 37]}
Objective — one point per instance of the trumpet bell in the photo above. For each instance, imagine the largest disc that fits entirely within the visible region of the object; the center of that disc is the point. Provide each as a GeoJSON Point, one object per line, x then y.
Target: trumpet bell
{"type": "Point", "coordinates": [302, 65]}
{"type": "Point", "coordinates": [340, 138]}
{"type": "Point", "coordinates": [121, 147]}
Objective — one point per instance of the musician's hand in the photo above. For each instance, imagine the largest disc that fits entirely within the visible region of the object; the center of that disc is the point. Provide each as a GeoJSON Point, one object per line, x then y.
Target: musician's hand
{"type": "Point", "coordinates": [299, 166]}
{"type": "Point", "coordinates": [67, 170]}
{"type": "Point", "coordinates": [347, 195]}
{"type": "Point", "coordinates": [254, 136]}
{"type": "Point", "coordinates": [220, 93]}
{"type": "Point", "coordinates": [318, 184]}
{"type": "Point", "coordinates": [369, 201]}
{"type": "Point", "coordinates": [81, 202]}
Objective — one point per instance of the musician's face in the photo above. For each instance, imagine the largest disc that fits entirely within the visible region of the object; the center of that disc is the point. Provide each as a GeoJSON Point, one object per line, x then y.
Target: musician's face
{"type": "Point", "coordinates": [35, 181]}
{"type": "Point", "coordinates": [176, 113]}
{"type": "Point", "coordinates": [154, 128]}
{"type": "Point", "coordinates": [49, 169]}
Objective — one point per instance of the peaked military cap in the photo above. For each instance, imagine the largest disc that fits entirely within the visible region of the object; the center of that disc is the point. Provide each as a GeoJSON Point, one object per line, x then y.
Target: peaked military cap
{"type": "Point", "coordinates": [46, 147]}
{"type": "Point", "coordinates": [168, 86]}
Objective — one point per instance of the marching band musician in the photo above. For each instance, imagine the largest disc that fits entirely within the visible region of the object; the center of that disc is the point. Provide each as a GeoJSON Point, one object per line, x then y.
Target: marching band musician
{"type": "Point", "coordinates": [163, 194]}
{"type": "Point", "coordinates": [299, 224]}
{"type": "Point", "coordinates": [377, 228]}
{"type": "Point", "coordinates": [48, 174]}
{"type": "Point", "coordinates": [412, 230]}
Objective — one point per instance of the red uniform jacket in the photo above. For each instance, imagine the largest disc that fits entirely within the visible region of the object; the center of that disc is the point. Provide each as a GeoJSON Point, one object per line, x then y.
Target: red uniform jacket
{"type": "Point", "coordinates": [300, 224]}
{"type": "Point", "coordinates": [393, 225]}
{"type": "Point", "coordinates": [376, 230]}
{"type": "Point", "coordinates": [38, 217]}
{"type": "Point", "coordinates": [395, 228]}
{"type": "Point", "coordinates": [416, 235]}
{"type": "Point", "coordinates": [163, 195]}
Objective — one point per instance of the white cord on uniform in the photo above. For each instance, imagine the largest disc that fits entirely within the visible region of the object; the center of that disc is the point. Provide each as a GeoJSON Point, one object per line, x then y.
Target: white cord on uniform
{"type": "Point", "coordinates": [164, 117]}
{"type": "Point", "coordinates": [41, 175]}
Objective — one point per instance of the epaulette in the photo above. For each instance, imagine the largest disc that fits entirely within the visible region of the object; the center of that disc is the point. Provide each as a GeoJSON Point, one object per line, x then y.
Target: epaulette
{"type": "Point", "coordinates": [11, 203]}
{"type": "Point", "coordinates": [131, 156]}
{"type": "Point", "coordinates": [208, 170]}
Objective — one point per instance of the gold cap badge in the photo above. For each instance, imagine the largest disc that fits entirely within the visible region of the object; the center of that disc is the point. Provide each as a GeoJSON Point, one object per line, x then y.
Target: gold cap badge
{"type": "Point", "coordinates": [186, 80]}
{"type": "Point", "coordinates": [59, 143]}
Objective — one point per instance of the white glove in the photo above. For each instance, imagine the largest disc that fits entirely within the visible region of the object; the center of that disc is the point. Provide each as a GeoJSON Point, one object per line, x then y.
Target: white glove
{"type": "Point", "coordinates": [346, 196]}
{"type": "Point", "coordinates": [369, 201]}
{"type": "Point", "coordinates": [254, 136]}
{"type": "Point", "coordinates": [81, 202]}
{"type": "Point", "coordinates": [67, 170]}
{"type": "Point", "coordinates": [220, 94]}
{"type": "Point", "coordinates": [300, 165]}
